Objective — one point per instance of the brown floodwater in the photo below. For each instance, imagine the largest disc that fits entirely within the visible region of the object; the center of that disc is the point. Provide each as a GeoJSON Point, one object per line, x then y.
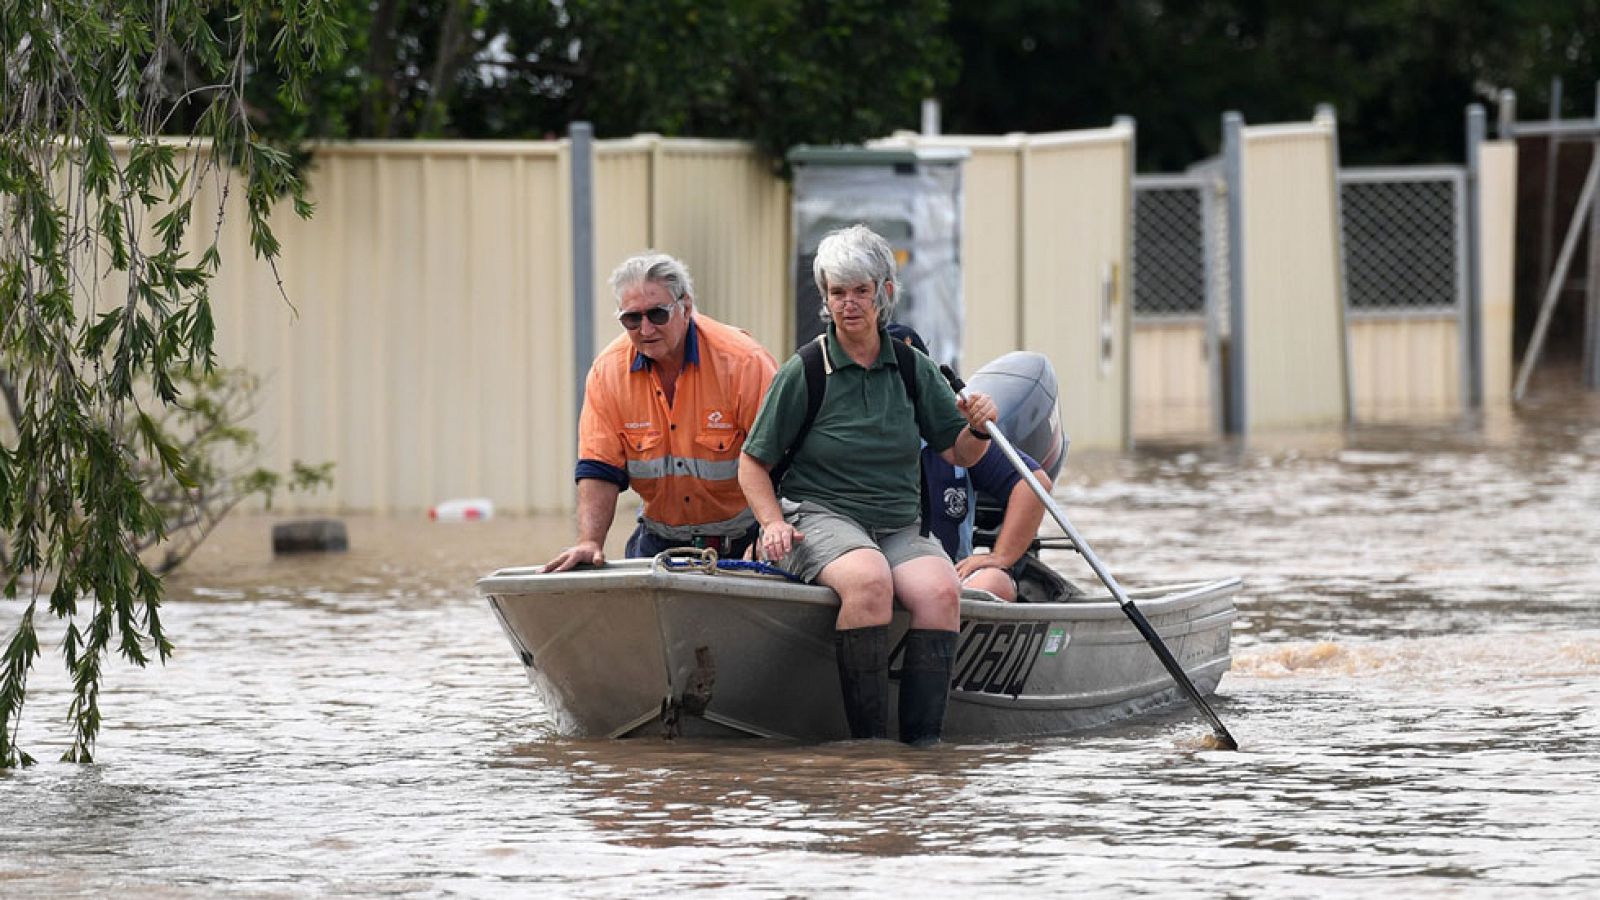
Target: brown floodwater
{"type": "Point", "coordinates": [1415, 688]}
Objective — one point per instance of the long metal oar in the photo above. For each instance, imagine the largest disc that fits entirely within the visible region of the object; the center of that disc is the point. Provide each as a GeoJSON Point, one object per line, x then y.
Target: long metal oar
{"type": "Point", "coordinates": [1224, 740]}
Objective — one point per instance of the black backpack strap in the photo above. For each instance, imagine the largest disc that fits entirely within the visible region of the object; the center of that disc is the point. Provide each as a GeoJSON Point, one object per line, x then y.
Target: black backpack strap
{"type": "Point", "coordinates": [813, 359]}
{"type": "Point", "coordinates": [905, 358]}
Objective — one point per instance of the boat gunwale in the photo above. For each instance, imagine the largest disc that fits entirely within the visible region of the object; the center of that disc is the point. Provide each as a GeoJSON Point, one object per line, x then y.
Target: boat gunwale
{"type": "Point", "coordinates": [642, 575]}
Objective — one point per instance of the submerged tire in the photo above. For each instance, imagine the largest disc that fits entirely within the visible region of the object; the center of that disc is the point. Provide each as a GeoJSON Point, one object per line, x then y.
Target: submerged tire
{"type": "Point", "coordinates": [310, 536]}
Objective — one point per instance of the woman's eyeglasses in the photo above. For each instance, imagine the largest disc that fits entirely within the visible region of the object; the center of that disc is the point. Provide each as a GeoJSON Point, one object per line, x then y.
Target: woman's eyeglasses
{"type": "Point", "coordinates": [658, 316]}
{"type": "Point", "coordinates": [860, 296]}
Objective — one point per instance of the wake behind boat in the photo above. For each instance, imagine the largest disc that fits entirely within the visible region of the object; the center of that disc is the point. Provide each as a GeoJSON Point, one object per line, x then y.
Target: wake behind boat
{"type": "Point", "coordinates": [682, 647]}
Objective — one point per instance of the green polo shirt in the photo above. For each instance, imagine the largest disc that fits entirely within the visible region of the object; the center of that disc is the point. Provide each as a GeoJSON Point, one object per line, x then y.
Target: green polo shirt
{"type": "Point", "coordinates": [861, 458]}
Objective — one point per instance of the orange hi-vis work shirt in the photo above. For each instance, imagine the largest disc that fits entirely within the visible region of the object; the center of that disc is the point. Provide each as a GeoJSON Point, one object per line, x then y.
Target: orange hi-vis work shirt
{"type": "Point", "coordinates": [682, 459]}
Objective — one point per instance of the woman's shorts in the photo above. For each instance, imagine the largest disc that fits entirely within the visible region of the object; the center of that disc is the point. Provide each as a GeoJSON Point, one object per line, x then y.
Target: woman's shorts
{"type": "Point", "coordinates": [829, 535]}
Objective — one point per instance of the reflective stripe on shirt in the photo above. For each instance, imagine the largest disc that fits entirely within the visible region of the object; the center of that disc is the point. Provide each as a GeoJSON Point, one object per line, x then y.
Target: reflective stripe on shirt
{"type": "Point", "coordinates": [703, 469]}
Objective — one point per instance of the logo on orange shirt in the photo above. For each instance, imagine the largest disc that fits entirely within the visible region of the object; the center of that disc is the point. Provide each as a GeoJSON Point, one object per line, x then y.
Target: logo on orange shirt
{"type": "Point", "coordinates": [717, 420]}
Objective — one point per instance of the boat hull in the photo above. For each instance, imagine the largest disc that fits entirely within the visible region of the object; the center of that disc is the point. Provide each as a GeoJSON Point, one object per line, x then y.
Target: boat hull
{"type": "Point", "coordinates": [634, 649]}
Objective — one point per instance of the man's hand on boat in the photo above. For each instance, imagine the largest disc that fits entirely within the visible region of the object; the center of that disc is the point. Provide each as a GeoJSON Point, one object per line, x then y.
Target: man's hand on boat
{"type": "Point", "coordinates": [966, 567]}
{"type": "Point", "coordinates": [581, 553]}
{"type": "Point", "coordinates": [777, 539]}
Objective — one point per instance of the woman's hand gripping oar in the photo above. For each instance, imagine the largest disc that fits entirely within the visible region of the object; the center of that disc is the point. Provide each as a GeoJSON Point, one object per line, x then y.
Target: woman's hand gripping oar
{"type": "Point", "coordinates": [1224, 740]}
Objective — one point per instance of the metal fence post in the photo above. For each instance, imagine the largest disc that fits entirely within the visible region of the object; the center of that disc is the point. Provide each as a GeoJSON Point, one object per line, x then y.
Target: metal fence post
{"type": "Point", "coordinates": [1591, 312]}
{"type": "Point", "coordinates": [1233, 417]}
{"type": "Point", "coordinates": [1123, 286]}
{"type": "Point", "coordinates": [1472, 346]}
{"type": "Point", "coordinates": [1326, 112]}
{"type": "Point", "coordinates": [1547, 211]}
{"type": "Point", "coordinates": [581, 138]}
{"type": "Point", "coordinates": [1506, 116]}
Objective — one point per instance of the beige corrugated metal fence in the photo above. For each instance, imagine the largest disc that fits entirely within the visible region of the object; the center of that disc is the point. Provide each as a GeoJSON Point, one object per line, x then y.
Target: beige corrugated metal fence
{"type": "Point", "coordinates": [430, 355]}
{"type": "Point", "coordinates": [1076, 230]}
{"type": "Point", "coordinates": [992, 253]}
{"type": "Point", "coordinates": [1045, 245]}
{"type": "Point", "coordinates": [722, 209]}
{"type": "Point", "coordinates": [716, 205]}
{"type": "Point", "coordinates": [624, 219]}
{"type": "Point", "coordinates": [1497, 203]}
{"type": "Point", "coordinates": [1294, 336]}
{"type": "Point", "coordinates": [1171, 380]}
{"type": "Point", "coordinates": [1405, 368]}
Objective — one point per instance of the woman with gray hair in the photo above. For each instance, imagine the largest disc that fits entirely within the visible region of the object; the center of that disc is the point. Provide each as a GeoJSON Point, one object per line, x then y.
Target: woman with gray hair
{"type": "Point", "coordinates": [849, 517]}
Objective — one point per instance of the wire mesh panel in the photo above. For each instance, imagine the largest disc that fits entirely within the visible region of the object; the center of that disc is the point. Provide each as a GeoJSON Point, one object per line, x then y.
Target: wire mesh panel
{"type": "Point", "coordinates": [1179, 273]}
{"type": "Point", "coordinates": [1169, 246]}
{"type": "Point", "coordinates": [1404, 239]}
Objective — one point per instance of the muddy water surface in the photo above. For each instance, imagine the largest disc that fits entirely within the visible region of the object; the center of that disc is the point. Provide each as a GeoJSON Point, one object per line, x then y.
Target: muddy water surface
{"type": "Point", "coordinates": [1416, 686]}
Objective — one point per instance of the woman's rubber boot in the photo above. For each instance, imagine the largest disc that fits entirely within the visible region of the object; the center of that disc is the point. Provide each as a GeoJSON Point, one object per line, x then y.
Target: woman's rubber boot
{"type": "Point", "coordinates": [925, 685]}
{"type": "Point", "coordinates": [863, 655]}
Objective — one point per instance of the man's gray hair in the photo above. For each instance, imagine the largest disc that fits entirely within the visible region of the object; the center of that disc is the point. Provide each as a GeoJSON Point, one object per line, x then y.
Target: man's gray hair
{"type": "Point", "coordinates": [854, 255]}
{"type": "Point", "coordinates": [652, 266]}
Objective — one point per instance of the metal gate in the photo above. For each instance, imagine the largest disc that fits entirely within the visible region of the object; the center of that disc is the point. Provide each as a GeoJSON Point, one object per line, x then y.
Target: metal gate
{"type": "Point", "coordinates": [1405, 239]}
{"type": "Point", "coordinates": [1404, 232]}
{"type": "Point", "coordinates": [1180, 297]}
{"type": "Point", "coordinates": [1405, 257]}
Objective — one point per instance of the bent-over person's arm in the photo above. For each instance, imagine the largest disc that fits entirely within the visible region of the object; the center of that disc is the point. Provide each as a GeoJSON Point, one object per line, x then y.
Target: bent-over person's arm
{"type": "Point", "coordinates": [1020, 524]}
{"type": "Point", "coordinates": [995, 476]}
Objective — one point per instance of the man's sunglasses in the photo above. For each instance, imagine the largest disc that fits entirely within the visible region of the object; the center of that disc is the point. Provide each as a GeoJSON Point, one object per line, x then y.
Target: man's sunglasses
{"type": "Point", "coordinates": [658, 316]}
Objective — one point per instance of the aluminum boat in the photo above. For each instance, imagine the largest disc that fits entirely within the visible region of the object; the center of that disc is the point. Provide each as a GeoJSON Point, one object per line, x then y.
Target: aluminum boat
{"type": "Point", "coordinates": [670, 647]}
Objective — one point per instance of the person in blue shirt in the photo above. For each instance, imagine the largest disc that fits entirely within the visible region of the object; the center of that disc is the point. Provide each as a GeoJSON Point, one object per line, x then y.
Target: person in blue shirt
{"type": "Point", "coordinates": [952, 498]}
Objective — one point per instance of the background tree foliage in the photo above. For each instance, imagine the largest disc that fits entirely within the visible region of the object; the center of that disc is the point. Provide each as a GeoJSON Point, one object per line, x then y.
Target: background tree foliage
{"type": "Point", "coordinates": [1399, 72]}
{"type": "Point", "coordinates": [778, 72]}
{"type": "Point", "coordinates": [781, 72]}
{"type": "Point", "coordinates": [87, 189]}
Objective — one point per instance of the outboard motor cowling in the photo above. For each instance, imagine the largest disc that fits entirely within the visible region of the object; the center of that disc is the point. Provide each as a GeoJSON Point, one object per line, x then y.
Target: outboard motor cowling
{"type": "Point", "coordinates": [1023, 386]}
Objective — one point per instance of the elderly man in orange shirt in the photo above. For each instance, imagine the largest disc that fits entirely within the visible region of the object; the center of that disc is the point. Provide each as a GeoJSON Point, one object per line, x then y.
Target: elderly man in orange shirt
{"type": "Point", "coordinates": [665, 411]}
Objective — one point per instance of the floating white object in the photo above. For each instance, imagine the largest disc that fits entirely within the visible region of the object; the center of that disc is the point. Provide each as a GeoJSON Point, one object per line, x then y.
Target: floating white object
{"type": "Point", "coordinates": [471, 509]}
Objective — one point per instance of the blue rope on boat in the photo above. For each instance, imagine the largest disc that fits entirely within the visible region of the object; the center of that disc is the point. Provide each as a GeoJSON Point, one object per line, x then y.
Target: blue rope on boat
{"type": "Point", "coordinates": [695, 559]}
{"type": "Point", "coordinates": [761, 568]}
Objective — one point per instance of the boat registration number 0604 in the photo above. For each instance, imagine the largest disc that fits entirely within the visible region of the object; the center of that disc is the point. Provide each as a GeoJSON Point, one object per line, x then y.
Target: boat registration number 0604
{"type": "Point", "coordinates": [998, 657]}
